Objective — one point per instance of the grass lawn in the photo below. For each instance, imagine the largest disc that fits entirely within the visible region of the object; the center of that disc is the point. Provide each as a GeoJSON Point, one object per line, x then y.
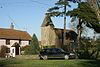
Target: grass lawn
{"type": "Point", "coordinates": [49, 63]}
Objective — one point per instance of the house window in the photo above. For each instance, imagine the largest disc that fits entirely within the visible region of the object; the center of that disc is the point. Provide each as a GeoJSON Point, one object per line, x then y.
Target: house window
{"type": "Point", "coordinates": [8, 42]}
{"type": "Point", "coordinates": [19, 41]}
{"type": "Point", "coordinates": [29, 41]}
{"type": "Point", "coordinates": [12, 50]}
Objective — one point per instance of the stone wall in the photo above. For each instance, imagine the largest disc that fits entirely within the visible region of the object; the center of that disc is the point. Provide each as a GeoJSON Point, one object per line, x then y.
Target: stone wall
{"type": "Point", "coordinates": [48, 36]}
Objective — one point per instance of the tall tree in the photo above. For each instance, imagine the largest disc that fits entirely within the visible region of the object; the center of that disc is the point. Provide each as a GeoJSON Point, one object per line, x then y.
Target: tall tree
{"type": "Point", "coordinates": [35, 44]}
{"type": "Point", "coordinates": [58, 11]}
{"type": "Point", "coordinates": [86, 15]}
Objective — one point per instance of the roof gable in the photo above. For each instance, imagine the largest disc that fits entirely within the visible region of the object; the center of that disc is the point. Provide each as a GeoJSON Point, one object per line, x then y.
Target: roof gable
{"type": "Point", "coordinates": [47, 21]}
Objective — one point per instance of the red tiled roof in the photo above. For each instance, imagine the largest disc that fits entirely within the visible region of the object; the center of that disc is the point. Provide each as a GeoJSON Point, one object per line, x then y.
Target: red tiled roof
{"type": "Point", "coordinates": [14, 34]}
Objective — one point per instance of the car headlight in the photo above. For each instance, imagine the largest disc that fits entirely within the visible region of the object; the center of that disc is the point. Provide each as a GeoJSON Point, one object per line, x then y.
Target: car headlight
{"type": "Point", "coordinates": [72, 54]}
{"type": "Point", "coordinates": [66, 57]}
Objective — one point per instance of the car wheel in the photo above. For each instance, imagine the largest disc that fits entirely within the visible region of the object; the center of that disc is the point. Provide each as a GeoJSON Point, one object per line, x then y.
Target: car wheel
{"type": "Point", "coordinates": [66, 57]}
{"type": "Point", "coordinates": [45, 57]}
{"type": "Point", "coordinates": [40, 58]}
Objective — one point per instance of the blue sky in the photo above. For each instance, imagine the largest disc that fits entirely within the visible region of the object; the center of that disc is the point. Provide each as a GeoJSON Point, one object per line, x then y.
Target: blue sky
{"type": "Point", "coordinates": [28, 15]}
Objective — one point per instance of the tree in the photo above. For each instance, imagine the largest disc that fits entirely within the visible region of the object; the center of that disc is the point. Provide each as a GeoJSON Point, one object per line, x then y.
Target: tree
{"type": "Point", "coordinates": [57, 11]}
{"type": "Point", "coordinates": [86, 15]}
{"type": "Point", "coordinates": [33, 48]}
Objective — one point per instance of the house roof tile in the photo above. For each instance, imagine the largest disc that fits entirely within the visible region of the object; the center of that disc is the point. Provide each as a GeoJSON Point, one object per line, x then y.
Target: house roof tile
{"type": "Point", "coordinates": [14, 34]}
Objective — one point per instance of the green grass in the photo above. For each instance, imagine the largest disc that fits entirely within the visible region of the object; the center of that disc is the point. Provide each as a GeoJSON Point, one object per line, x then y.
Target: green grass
{"type": "Point", "coordinates": [49, 63]}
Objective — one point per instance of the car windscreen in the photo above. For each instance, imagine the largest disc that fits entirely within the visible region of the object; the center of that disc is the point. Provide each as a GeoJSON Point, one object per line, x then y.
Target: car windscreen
{"type": "Point", "coordinates": [60, 50]}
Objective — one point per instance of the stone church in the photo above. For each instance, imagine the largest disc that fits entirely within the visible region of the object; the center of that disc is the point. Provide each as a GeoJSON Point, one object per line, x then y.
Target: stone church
{"type": "Point", "coordinates": [51, 36]}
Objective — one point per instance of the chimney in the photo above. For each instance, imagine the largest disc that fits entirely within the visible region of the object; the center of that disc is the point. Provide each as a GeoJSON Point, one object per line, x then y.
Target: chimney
{"type": "Point", "coordinates": [11, 26]}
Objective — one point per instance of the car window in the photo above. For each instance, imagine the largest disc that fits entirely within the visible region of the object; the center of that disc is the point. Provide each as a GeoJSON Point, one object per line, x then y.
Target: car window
{"type": "Point", "coordinates": [58, 50]}
{"type": "Point", "coordinates": [53, 51]}
{"type": "Point", "coordinates": [44, 50]}
{"type": "Point", "coordinates": [61, 50]}
{"type": "Point", "coordinates": [48, 51]}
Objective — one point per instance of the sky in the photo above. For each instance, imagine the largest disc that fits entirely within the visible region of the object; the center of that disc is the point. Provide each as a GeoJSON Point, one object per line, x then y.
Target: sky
{"type": "Point", "coordinates": [28, 15]}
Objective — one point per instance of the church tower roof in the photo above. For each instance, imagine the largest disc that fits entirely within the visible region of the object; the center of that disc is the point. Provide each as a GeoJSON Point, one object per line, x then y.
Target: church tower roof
{"type": "Point", "coordinates": [47, 21]}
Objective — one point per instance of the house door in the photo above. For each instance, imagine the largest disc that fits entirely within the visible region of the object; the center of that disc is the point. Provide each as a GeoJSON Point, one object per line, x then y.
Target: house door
{"type": "Point", "coordinates": [17, 49]}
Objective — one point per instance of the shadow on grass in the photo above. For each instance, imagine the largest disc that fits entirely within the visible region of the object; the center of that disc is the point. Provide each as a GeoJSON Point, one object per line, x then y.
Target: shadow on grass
{"type": "Point", "coordinates": [5, 62]}
{"type": "Point", "coordinates": [2, 64]}
{"type": "Point", "coordinates": [66, 63]}
{"type": "Point", "coordinates": [90, 63]}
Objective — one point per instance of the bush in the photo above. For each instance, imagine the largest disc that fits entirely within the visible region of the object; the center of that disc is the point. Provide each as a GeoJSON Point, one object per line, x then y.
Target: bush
{"type": "Point", "coordinates": [3, 51]}
{"type": "Point", "coordinates": [28, 51]}
{"type": "Point", "coordinates": [87, 54]}
{"type": "Point", "coordinates": [33, 46]}
{"type": "Point", "coordinates": [24, 49]}
{"type": "Point", "coordinates": [89, 48]}
{"type": "Point", "coordinates": [84, 54]}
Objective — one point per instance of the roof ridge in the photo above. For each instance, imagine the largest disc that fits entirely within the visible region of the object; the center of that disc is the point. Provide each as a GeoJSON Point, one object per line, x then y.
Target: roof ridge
{"type": "Point", "coordinates": [12, 29]}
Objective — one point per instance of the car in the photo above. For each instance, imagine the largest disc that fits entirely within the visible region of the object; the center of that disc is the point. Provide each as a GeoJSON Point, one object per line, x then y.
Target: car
{"type": "Point", "coordinates": [48, 53]}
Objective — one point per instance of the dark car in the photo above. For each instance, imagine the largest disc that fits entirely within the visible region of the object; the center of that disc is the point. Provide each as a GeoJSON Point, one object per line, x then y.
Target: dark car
{"type": "Point", "coordinates": [54, 53]}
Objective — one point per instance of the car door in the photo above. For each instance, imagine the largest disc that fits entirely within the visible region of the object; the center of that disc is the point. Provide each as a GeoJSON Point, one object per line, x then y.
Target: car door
{"type": "Point", "coordinates": [59, 53]}
{"type": "Point", "coordinates": [49, 53]}
{"type": "Point", "coordinates": [53, 53]}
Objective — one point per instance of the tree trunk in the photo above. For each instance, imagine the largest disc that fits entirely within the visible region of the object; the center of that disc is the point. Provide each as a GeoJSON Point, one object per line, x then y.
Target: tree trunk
{"type": "Point", "coordinates": [64, 34]}
{"type": "Point", "coordinates": [97, 54]}
{"type": "Point", "coordinates": [79, 31]}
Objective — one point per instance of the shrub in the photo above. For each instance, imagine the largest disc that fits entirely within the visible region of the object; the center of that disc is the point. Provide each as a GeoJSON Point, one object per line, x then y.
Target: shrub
{"type": "Point", "coordinates": [23, 49]}
{"type": "Point", "coordinates": [3, 51]}
{"type": "Point", "coordinates": [33, 46]}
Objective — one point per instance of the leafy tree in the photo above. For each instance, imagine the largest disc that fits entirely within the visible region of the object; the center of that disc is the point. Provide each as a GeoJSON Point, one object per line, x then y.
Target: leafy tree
{"type": "Point", "coordinates": [60, 10]}
{"type": "Point", "coordinates": [33, 48]}
{"type": "Point", "coordinates": [97, 42]}
{"type": "Point", "coordinates": [86, 15]}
